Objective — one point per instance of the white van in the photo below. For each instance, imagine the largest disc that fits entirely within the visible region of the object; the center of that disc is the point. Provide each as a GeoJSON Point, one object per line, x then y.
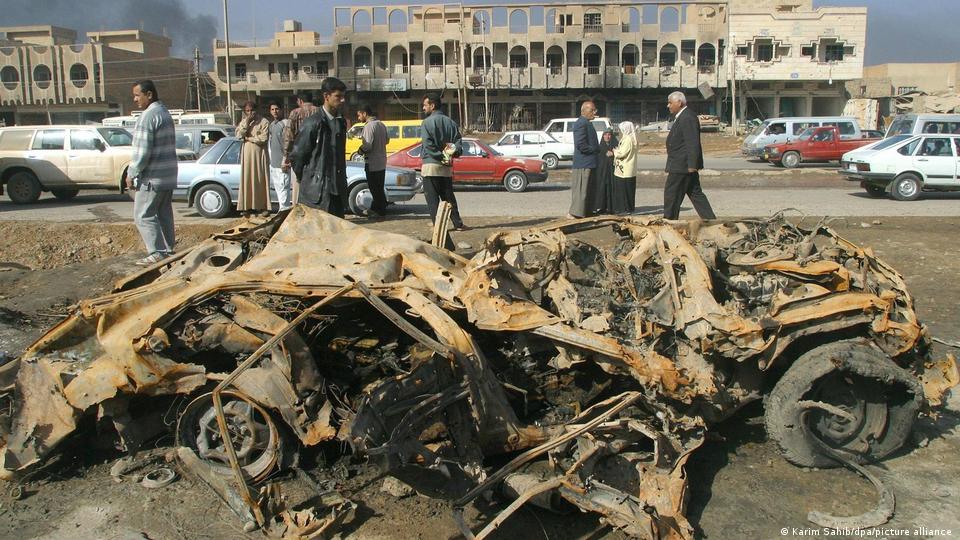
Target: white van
{"type": "Point", "coordinates": [561, 129]}
{"type": "Point", "coordinates": [916, 124]}
{"type": "Point", "coordinates": [778, 130]}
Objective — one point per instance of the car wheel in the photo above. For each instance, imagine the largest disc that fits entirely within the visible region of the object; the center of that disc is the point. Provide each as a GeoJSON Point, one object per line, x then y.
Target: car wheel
{"type": "Point", "coordinates": [875, 192]}
{"type": "Point", "coordinates": [356, 157]}
{"type": "Point", "coordinates": [847, 396]}
{"type": "Point", "coordinates": [360, 199]}
{"type": "Point", "coordinates": [906, 187]}
{"type": "Point", "coordinates": [791, 160]}
{"type": "Point", "coordinates": [515, 182]}
{"type": "Point", "coordinates": [551, 160]}
{"type": "Point", "coordinates": [65, 194]}
{"type": "Point", "coordinates": [23, 188]}
{"type": "Point", "coordinates": [213, 202]}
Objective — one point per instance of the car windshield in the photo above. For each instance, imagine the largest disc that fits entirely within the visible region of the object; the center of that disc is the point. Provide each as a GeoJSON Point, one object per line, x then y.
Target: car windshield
{"type": "Point", "coordinates": [887, 143]}
{"type": "Point", "coordinates": [355, 131]}
{"type": "Point", "coordinates": [900, 127]}
{"type": "Point", "coordinates": [491, 150]}
{"type": "Point", "coordinates": [758, 130]}
{"type": "Point", "coordinates": [549, 138]}
{"type": "Point", "coordinates": [212, 155]}
{"type": "Point", "coordinates": [116, 136]}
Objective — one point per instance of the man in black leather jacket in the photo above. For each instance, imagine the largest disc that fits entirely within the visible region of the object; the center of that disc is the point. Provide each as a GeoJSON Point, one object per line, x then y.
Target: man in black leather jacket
{"type": "Point", "coordinates": [318, 154]}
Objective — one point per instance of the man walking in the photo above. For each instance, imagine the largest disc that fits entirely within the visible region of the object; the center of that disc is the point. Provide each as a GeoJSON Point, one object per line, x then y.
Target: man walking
{"type": "Point", "coordinates": [374, 150]}
{"type": "Point", "coordinates": [305, 109]}
{"type": "Point", "coordinates": [152, 173]}
{"type": "Point", "coordinates": [318, 153]}
{"type": "Point", "coordinates": [440, 143]}
{"type": "Point", "coordinates": [279, 178]}
{"type": "Point", "coordinates": [684, 161]}
{"type": "Point", "coordinates": [585, 149]}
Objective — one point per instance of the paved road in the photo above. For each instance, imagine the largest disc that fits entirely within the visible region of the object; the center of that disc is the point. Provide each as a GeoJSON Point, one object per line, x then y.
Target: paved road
{"type": "Point", "coordinates": [833, 199]}
{"type": "Point", "coordinates": [656, 162]}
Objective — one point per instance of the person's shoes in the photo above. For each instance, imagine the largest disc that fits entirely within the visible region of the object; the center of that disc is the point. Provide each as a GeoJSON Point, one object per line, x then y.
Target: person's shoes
{"type": "Point", "coordinates": [149, 260]}
{"type": "Point", "coordinates": [462, 228]}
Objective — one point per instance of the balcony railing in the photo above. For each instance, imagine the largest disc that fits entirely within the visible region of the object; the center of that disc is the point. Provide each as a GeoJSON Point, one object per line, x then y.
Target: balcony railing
{"type": "Point", "coordinates": [592, 28]}
{"type": "Point", "coordinates": [400, 69]}
{"type": "Point", "coordinates": [593, 70]}
{"type": "Point", "coordinates": [556, 70]}
{"type": "Point", "coordinates": [434, 69]}
{"type": "Point", "coordinates": [433, 27]}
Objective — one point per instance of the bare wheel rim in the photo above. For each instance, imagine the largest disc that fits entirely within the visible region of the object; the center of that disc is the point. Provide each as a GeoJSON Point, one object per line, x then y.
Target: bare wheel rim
{"type": "Point", "coordinates": [791, 160]}
{"type": "Point", "coordinates": [907, 187]}
{"type": "Point", "coordinates": [551, 161]}
{"type": "Point", "coordinates": [252, 432]}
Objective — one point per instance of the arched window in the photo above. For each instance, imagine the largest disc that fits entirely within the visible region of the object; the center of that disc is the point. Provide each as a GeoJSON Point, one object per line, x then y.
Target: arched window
{"type": "Point", "coordinates": [706, 55]}
{"type": "Point", "coordinates": [518, 57]}
{"type": "Point", "coordinates": [42, 76]}
{"type": "Point", "coordinates": [631, 58]}
{"type": "Point", "coordinates": [518, 21]}
{"type": "Point", "coordinates": [481, 58]}
{"type": "Point", "coordinates": [361, 22]}
{"type": "Point", "coordinates": [630, 21]}
{"type": "Point", "coordinates": [434, 58]}
{"type": "Point", "coordinates": [10, 77]}
{"type": "Point", "coordinates": [555, 60]}
{"type": "Point", "coordinates": [668, 55]}
{"type": "Point", "coordinates": [397, 21]}
{"type": "Point", "coordinates": [670, 20]}
{"type": "Point", "coordinates": [481, 22]}
{"type": "Point", "coordinates": [592, 58]}
{"type": "Point", "coordinates": [79, 75]}
{"type": "Point", "coordinates": [362, 58]}
{"type": "Point", "coordinates": [398, 59]}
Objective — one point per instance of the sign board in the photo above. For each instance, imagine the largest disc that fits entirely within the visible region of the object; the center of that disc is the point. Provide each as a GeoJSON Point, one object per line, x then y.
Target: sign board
{"type": "Point", "coordinates": [382, 85]}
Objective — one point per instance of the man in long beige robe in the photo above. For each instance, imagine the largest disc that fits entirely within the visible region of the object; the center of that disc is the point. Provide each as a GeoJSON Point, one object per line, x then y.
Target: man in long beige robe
{"type": "Point", "coordinates": [254, 131]}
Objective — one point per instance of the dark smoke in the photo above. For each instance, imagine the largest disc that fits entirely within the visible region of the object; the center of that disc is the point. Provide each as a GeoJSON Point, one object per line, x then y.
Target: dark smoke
{"type": "Point", "coordinates": [168, 17]}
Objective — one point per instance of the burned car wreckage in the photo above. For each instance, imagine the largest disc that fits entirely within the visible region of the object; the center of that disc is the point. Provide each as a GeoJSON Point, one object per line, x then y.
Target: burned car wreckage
{"type": "Point", "coordinates": [594, 352]}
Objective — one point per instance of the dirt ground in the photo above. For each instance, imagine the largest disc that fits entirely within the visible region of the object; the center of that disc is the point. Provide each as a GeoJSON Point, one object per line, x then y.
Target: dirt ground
{"type": "Point", "coordinates": [740, 487]}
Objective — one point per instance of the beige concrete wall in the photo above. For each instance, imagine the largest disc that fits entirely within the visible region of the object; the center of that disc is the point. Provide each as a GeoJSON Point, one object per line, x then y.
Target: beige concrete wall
{"type": "Point", "coordinates": [927, 77]}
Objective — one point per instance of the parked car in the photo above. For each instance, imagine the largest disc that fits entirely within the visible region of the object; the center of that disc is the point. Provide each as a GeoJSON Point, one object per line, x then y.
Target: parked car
{"type": "Point", "coordinates": [561, 129]}
{"type": "Point", "coordinates": [778, 130]}
{"type": "Point", "coordinates": [63, 159]}
{"type": "Point", "coordinates": [535, 144]}
{"type": "Point", "coordinates": [198, 138]}
{"type": "Point", "coordinates": [906, 165]}
{"type": "Point", "coordinates": [402, 134]}
{"type": "Point", "coordinates": [916, 124]}
{"type": "Point", "coordinates": [481, 164]}
{"type": "Point", "coordinates": [871, 133]}
{"type": "Point", "coordinates": [817, 144]}
{"type": "Point", "coordinates": [212, 183]}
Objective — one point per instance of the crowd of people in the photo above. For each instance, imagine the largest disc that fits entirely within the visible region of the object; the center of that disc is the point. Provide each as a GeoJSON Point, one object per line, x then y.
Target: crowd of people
{"type": "Point", "coordinates": [303, 158]}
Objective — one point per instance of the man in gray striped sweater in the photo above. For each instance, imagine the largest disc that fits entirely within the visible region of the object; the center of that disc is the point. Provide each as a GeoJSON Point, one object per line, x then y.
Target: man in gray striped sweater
{"type": "Point", "coordinates": [152, 174]}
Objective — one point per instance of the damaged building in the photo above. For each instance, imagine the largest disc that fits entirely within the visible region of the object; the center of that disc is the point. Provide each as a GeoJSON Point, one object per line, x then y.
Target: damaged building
{"type": "Point", "coordinates": [590, 357]}
{"type": "Point", "coordinates": [517, 66]}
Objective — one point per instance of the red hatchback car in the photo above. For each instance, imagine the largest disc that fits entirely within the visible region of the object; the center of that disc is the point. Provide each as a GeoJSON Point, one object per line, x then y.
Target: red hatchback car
{"type": "Point", "coordinates": [481, 164]}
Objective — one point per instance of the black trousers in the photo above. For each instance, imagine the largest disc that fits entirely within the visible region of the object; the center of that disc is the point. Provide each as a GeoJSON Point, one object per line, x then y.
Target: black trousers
{"type": "Point", "coordinates": [440, 188]}
{"type": "Point", "coordinates": [329, 203]}
{"type": "Point", "coordinates": [375, 185]}
{"type": "Point", "coordinates": [685, 184]}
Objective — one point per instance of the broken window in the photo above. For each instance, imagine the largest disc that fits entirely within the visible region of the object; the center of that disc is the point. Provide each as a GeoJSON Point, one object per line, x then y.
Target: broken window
{"type": "Point", "coordinates": [688, 52]}
{"type": "Point", "coordinates": [763, 50]}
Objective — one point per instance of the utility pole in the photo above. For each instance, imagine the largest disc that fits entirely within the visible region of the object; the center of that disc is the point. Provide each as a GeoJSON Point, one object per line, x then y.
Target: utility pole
{"type": "Point", "coordinates": [732, 55]}
{"type": "Point", "coordinates": [486, 101]}
{"type": "Point", "coordinates": [226, 36]}
{"type": "Point", "coordinates": [196, 59]}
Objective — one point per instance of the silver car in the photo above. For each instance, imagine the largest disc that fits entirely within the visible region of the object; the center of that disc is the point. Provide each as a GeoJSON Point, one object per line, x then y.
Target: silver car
{"type": "Point", "coordinates": [212, 183]}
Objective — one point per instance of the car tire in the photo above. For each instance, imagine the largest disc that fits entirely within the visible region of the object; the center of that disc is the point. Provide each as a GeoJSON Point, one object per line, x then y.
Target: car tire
{"type": "Point", "coordinates": [212, 201]}
{"type": "Point", "coordinates": [551, 160]}
{"type": "Point", "coordinates": [882, 399]}
{"type": "Point", "coordinates": [875, 192]}
{"type": "Point", "coordinates": [791, 160]}
{"type": "Point", "coordinates": [356, 157]}
{"type": "Point", "coordinates": [65, 194]}
{"type": "Point", "coordinates": [357, 193]}
{"type": "Point", "coordinates": [515, 182]}
{"type": "Point", "coordinates": [23, 188]}
{"type": "Point", "coordinates": [906, 187]}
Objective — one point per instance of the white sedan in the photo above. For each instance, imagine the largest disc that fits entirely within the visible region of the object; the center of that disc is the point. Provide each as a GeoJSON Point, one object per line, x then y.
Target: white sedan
{"type": "Point", "coordinates": [534, 144]}
{"type": "Point", "coordinates": [906, 165]}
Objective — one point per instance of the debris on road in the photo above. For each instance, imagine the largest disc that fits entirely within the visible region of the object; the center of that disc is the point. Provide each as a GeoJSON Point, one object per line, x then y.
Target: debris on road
{"type": "Point", "coordinates": [594, 353]}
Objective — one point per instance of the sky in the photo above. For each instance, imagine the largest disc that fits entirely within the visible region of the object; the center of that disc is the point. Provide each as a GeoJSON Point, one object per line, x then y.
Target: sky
{"type": "Point", "coordinates": [897, 30]}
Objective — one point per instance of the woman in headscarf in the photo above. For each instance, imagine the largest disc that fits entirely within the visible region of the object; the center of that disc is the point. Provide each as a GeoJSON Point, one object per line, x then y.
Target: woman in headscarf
{"type": "Point", "coordinates": [625, 171]}
{"type": "Point", "coordinates": [253, 130]}
{"type": "Point", "coordinates": [604, 179]}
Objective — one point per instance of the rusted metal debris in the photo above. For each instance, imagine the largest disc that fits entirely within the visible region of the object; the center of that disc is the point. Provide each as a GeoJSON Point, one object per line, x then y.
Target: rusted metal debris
{"type": "Point", "coordinates": [597, 351]}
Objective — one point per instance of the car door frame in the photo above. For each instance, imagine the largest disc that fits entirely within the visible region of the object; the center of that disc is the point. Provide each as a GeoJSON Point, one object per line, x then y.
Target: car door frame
{"type": "Point", "coordinates": [50, 165]}
{"type": "Point", "coordinates": [933, 167]}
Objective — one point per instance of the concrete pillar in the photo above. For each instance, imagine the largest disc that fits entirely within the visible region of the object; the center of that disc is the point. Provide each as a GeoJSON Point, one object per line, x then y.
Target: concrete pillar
{"type": "Point", "coordinates": [808, 105]}
{"type": "Point", "coordinates": [776, 106]}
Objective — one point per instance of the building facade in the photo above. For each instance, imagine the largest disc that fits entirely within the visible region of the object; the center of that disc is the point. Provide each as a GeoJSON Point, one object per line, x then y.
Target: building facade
{"type": "Point", "coordinates": [47, 77]}
{"type": "Point", "coordinates": [520, 65]}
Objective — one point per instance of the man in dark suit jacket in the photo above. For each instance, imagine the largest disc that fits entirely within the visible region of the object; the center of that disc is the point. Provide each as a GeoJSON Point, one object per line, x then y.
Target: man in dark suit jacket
{"type": "Point", "coordinates": [318, 154]}
{"type": "Point", "coordinates": [586, 145]}
{"type": "Point", "coordinates": [684, 161]}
